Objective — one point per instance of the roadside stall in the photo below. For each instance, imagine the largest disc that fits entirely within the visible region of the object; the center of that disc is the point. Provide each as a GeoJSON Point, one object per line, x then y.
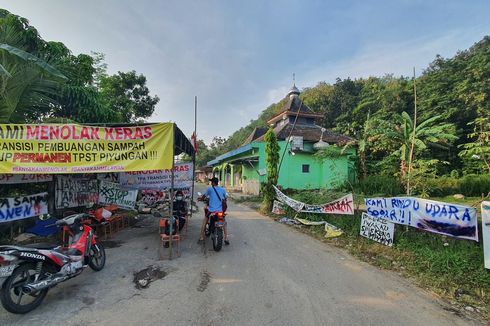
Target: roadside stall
{"type": "Point", "coordinates": [58, 169]}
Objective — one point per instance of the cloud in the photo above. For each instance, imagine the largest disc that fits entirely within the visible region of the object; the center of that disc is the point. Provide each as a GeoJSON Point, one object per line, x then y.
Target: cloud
{"type": "Point", "coordinates": [397, 58]}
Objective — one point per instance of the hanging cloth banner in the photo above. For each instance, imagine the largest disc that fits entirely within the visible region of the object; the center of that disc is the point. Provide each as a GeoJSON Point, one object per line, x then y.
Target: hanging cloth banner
{"type": "Point", "coordinates": [294, 204]}
{"type": "Point", "coordinates": [278, 208]}
{"type": "Point", "coordinates": [72, 148]}
{"type": "Point", "coordinates": [485, 213]}
{"type": "Point", "coordinates": [158, 179]}
{"type": "Point", "coordinates": [449, 219]}
{"type": "Point", "coordinates": [17, 208]}
{"type": "Point", "coordinates": [24, 178]}
{"type": "Point", "coordinates": [344, 205]}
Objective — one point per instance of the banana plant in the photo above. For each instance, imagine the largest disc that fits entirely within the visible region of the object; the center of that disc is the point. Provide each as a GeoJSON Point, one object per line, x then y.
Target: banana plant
{"type": "Point", "coordinates": [27, 84]}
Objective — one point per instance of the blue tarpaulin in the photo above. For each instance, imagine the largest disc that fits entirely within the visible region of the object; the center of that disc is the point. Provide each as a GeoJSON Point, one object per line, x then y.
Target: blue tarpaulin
{"type": "Point", "coordinates": [41, 230]}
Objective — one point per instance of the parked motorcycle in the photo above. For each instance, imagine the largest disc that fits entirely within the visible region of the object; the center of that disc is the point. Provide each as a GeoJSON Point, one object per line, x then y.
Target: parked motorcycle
{"type": "Point", "coordinates": [215, 225]}
{"type": "Point", "coordinates": [32, 270]}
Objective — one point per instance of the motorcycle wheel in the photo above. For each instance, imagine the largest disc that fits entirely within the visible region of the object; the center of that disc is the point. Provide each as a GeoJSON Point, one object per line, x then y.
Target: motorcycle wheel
{"type": "Point", "coordinates": [13, 299]}
{"type": "Point", "coordinates": [218, 239]}
{"type": "Point", "coordinates": [97, 257]}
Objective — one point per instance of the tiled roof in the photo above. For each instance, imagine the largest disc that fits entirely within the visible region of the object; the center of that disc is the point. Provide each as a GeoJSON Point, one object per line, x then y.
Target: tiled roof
{"type": "Point", "coordinates": [309, 133]}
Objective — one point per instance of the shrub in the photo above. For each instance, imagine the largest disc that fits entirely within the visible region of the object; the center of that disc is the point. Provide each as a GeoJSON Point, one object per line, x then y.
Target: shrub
{"type": "Point", "coordinates": [475, 185]}
{"type": "Point", "coordinates": [443, 186]}
{"type": "Point", "coordinates": [380, 184]}
{"type": "Point", "coordinates": [470, 185]}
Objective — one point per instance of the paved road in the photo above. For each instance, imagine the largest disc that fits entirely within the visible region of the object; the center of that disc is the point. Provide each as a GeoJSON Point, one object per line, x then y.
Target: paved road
{"type": "Point", "coordinates": [269, 275]}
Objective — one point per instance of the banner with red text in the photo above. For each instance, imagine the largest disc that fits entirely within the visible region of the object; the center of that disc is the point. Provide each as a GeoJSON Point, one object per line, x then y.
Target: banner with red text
{"type": "Point", "coordinates": [158, 179]}
{"type": "Point", "coordinates": [344, 205]}
{"type": "Point", "coordinates": [72, 148]}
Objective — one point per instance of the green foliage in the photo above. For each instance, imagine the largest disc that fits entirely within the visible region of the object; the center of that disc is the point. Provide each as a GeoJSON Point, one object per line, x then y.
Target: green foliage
{"type": "Point", "coordinates": [479, 149]}
{"type": "Point", "coordinates": [427, 134]}
{"type": "Point", "coordinates": [385, 185]}
{"type": "Point", "coordinates": [42, 80]}
{"type": "Point", "coordinates": [128, 96]}
{"type": "Point", "coordinates": [469, 185]}
{"type": "Point", "coordinates": [272, 162]}
{"type": "Point", "coordinates": [421, 171]}
{"type": "Point", "coordinates": [28, 84]}
{"type": "Point", "coordinates": [475, 185]}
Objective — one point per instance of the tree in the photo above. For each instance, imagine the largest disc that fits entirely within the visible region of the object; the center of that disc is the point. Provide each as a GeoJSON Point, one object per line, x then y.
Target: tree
{"type": "Point", "coordinates": [128, 96]}
{"type": "Point", "coordinates": [479, 149]}
{"type": "Point", "coordinates": [369, 133]}
{"type": "Point", "coordinates": [28, 84]}
{"type": "Point", "coordinates": [204, 154]}
{"type": "Point", "coordinates": [427, 134]}
{"type": "Point", "coordinates": [272, 161]}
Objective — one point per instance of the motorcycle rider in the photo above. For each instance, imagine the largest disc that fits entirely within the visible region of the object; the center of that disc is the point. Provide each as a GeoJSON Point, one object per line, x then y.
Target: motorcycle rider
{"type": "Point", "coordinates": [213, 194]}
{"type": "Point", "coordinates": [180, 208]}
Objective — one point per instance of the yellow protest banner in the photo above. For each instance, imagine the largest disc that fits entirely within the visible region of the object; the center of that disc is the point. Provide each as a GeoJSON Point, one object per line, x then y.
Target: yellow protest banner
{"type": "Point", "coordinates": [72, 148]}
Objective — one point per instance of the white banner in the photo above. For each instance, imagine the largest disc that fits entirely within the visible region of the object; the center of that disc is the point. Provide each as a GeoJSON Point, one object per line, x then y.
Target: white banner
{"type": "Point", "coordinates": [344, 205]}
{"type": "Point", "coordinates": [158, 179]}
{"type": "Point", "coordinates": [294, 204]}
{"type": "Point", "coordinates": [24, 178]}
{"type": "Point", "coordinates": [377, 229]}
{"type": "Point", "coordinates": [437, 217]}
{"type": "Point", "coordinates": [278, 208]}
{"type": "Point", "coordinates": [111, 193]}
{"type": "Point", "coordinates": [17, 208]}
{"type": "Point", "coordinates": [73, 191]}
{"type": "Point", "coordinates": [485, 213]}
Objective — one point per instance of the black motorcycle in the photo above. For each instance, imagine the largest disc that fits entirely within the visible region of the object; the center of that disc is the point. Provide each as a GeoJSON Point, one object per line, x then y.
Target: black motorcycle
{"type": "Point", "coordinates": [215, 225]}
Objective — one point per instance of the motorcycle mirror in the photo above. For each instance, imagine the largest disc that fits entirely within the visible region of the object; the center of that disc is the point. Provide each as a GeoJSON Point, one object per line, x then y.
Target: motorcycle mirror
{"type": "Point", "coordinates": [44, 217]}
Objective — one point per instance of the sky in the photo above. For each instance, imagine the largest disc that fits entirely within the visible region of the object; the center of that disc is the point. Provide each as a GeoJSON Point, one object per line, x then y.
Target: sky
{"type": "Point", "coordinates": [238, 57]}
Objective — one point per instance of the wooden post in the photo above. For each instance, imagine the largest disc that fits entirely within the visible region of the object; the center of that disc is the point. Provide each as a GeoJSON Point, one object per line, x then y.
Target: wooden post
{"type": "Point", "coordinates": [410, 158]}
{"type": "Point", "coordinates": [194, 156]}
{"type": "Point", "coordinates": [171, 206]}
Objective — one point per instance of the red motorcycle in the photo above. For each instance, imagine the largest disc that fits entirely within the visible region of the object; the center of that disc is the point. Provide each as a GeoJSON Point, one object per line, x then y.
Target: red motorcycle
{"type": "Point", "coordinates": [33, 269]}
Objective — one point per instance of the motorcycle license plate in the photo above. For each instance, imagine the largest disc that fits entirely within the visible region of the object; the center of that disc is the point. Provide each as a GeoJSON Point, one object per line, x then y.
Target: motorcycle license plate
{"type": "Point", "coordinates": [7, 270]}
{"type": "Point", "coordinates": [219, 224]}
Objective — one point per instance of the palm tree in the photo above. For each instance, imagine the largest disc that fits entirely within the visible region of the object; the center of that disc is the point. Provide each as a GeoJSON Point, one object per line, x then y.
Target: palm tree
{"type": "Point", "coordinates": [428, 133]}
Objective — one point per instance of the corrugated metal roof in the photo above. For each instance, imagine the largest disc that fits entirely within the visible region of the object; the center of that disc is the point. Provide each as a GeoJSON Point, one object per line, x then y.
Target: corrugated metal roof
{"type": "Point", "coordinates": [229, 154]}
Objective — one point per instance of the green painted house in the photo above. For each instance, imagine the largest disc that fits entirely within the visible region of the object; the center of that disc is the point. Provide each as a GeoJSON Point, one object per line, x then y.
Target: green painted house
{"type": "Point", "coordinates": [244, 168]}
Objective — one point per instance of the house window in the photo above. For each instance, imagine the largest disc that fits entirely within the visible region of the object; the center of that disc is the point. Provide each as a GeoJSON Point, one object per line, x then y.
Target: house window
{"type": "Point", "coordinates": [306, 168]}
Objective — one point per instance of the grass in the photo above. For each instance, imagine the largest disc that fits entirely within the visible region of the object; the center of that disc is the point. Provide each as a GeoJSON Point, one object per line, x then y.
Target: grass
{"type": "Point", "coordinates": [452, 268]}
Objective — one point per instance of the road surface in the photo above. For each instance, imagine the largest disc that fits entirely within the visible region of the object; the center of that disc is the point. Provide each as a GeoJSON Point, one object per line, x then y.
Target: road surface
{"type": "Point", "coordinates": [269, 275]}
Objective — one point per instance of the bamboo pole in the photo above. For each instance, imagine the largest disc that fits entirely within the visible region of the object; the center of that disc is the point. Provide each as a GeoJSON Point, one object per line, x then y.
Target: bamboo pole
{"type": "Point", "coordinates": [410, 158]}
